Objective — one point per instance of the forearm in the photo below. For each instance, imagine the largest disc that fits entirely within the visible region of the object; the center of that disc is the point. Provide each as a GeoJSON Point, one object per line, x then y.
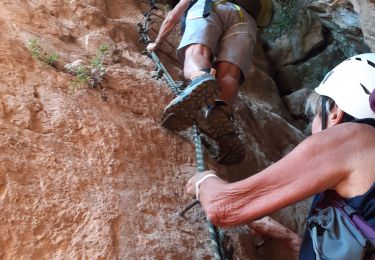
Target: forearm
{"type": "Point", "coordinates": [165, 29]}
{"type": "Point", "coordinates": [298, 176]}
{"type": "Point", "coordinates": [232, 204]}
{"type": "Point", "coordinates": [172, 19]}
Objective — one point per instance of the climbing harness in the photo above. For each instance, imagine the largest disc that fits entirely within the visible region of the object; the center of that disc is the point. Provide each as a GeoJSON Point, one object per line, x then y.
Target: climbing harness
{"type": "Point", "coordinates": [216, 235]}
{"type": "Point", "coordinates": [208, 5]}
{"type": "Point", "coordinates": [260, 10]}
{"type": "Point", "coordinates": [240, 11]}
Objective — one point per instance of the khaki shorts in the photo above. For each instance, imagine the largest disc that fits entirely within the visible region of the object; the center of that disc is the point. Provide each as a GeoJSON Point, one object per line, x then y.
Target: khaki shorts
{"type": "Point", "coordinates": [229, 38]}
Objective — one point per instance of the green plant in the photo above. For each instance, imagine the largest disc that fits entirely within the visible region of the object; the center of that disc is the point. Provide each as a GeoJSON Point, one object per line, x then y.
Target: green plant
{"type": "Point", "coordinates": [97, 70]}
{"type": "Point", "coordinates": [97, 61]}
{"type": "Point", "coordinates": [37, 52]}
{"type": "Point", "coordinates": [91, 74]}
{"type": "Point", "coordinates": [82, 73]}
{"type": "Point", "coordinates": [51, 59]}
{"type": "Point", "coordinates": [34, 48]}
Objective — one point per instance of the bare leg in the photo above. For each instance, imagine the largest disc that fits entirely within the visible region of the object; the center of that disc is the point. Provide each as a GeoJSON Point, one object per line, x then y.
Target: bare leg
{"type": "Point", "coordinates": [228, 76]}
{"type": "Point", "coordinates": [197, 57]}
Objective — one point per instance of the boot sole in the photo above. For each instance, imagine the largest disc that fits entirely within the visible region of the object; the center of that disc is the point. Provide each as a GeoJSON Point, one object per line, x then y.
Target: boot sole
{"type": "Point", "coordinates": [182, 114]}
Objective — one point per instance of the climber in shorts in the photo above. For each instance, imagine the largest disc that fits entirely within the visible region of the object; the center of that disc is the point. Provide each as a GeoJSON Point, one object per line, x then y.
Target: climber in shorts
{"type": "Point", "coordinates": [216, 51]}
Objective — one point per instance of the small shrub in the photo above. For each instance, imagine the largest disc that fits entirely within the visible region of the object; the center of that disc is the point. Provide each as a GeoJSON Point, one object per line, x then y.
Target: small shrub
{"type": "Point", "coordinates": [51, 59]}
{"type": "Point", "coordinates": [34, 48]}
{"type": "Point", "coordinates": [93, 73]}
{"type": "Point", "coordinates": [83, 74]}
{"type": "Point", "coordinates": [97, 69]}
{"type": "Point", "coordinates": [37, 52]}
{"type": "Point", "coordinates": [102, 51]}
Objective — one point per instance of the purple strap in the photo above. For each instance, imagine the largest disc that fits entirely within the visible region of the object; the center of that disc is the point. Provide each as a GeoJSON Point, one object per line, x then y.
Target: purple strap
{"type": "Point", "coordinates": [372, 100]}
{"type": "Point", "coordinates": [365, 228]}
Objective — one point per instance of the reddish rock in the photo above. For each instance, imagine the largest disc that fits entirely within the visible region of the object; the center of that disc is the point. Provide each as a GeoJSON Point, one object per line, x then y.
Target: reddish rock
{"type": "Point", "coordinates": [89, 173]}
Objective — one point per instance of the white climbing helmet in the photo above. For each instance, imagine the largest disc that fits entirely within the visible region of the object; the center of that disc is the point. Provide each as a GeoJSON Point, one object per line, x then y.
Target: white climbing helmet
{"type": "Point", "coordinates": [351, 85]}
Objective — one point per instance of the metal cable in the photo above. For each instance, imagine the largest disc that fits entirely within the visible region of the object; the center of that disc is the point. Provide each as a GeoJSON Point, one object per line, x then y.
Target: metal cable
{"type": "Point", "coordinates": [213, 231]}
{"type": "Point", "coordinates": [218, 252]}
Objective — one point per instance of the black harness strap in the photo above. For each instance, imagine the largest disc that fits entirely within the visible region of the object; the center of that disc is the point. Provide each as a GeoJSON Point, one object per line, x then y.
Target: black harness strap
{"type": "Point", "coordinates": [324, 112]}
{"type": "Point", "coordinates": [207, 8]}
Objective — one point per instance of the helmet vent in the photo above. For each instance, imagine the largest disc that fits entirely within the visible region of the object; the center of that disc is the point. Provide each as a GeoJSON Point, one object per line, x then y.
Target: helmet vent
{"type": "Point", "coordinates": [371, 63]}
{"type": "Point", "coordinates": [365, 89]}
{"type": "Point", "coordinates": [358, 59]}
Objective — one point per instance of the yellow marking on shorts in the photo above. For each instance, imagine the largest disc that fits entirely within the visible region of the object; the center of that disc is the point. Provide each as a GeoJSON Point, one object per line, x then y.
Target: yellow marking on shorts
{"type": "Point", "coordinates": [240, 12]}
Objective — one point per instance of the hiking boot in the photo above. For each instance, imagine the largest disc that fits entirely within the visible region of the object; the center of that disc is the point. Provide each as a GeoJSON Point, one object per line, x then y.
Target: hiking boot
{"type": "Point", "coordinates": [219, 125]}
{"type": "Point", "coordinates": [231, 150]}
{"type": "Point", "coordinates": [220, 121]}
{"type": "Point", "coordinates": [182, 111]}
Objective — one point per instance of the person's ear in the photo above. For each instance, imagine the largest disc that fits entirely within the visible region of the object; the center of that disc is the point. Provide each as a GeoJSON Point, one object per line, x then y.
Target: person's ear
{"type": "Point", "coordinates": [335, 117]}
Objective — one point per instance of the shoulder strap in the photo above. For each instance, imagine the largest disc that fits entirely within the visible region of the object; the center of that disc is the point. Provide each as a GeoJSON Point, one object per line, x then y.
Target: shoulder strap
{"type": "Point", "coordinates": [368, 121]}
{"type": "Point", "coordinates": [183, 18]}
{"type": "Point", "coordinates": [359, 222]}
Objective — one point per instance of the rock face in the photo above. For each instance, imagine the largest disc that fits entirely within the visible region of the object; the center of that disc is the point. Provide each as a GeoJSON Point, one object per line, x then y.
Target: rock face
{"type": "Point", "coordinates": [296, 43]}
{"type": "Point", "coordinates": [88, 172]}
{"type": "Point", "coordinates": [315, 36]}
{"type": "Point", "coordinates": [366, 11]}
{"type": "Point", "coordinates": [309, 73]}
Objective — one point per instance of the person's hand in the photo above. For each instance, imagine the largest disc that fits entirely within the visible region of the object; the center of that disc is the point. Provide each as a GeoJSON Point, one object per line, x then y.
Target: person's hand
{"type": "Point", "coordinates": [211, 192]}
{"type": "Point", "coordinates": [152, 46]}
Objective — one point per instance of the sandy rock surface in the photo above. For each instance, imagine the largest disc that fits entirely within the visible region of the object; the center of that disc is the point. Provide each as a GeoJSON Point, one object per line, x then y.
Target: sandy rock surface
{"type": "Point", "coordinates": [88, 173]}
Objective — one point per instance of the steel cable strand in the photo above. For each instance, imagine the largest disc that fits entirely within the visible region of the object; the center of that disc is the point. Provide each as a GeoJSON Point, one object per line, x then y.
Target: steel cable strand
{"type": "Point", "coordinates": [213, 231]}
{"type": "Point", "coordinates": [218, 252]}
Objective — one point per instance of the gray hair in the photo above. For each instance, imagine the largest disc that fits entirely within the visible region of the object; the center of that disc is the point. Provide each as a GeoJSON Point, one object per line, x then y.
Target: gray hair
{"type": "Point", "coordinates": [314, 105]}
